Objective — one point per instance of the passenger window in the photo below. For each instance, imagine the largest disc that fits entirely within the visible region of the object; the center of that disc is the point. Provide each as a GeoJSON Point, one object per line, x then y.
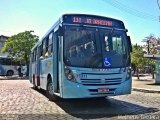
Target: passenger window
{"type": "Point", "coordinates": [47, 39]}
{"type": "Point", "coordinates": [45, 47]}
{"type": "Point", "coordinates": [41, 51]}
{"type": "Point", "coordinates": [36, 54]}
{"type": "Point", "coordinates": [33, 57]}
{"type": "Point", "coordinates": [50, 44]}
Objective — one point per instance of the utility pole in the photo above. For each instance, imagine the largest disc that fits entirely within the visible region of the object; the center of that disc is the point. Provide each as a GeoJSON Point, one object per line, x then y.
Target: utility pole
{"type": "Point", "coordinates": [158, 7]}
{"type": "Point", "coordinates": [148, 50]}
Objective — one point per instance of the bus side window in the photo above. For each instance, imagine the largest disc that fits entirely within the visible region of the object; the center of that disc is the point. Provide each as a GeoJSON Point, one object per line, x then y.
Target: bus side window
{"type": "Point", "coordinates": [41, 51]}
{"type": "Point", "coordinates": [46, 52]}
{"type": "Point", "coordinates": [45, 47]}
{"type": "Point", "coordinates": [35, 57]}
{"type": "Point", "coordinates": [32, 57]}
{"type": "Point", "coordinates": [50, 44]}
{"type": "Point", "coordinates": [8, 61]}
{"type": "Point", "coordinates": [34, 54]}
{"type": "Point", "coordinates": [3, 61]}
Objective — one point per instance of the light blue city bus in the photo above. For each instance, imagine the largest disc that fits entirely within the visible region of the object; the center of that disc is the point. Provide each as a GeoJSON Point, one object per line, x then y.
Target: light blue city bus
{"type": "Point", "coordinates": [83, 56]}
{"type": "Point", "coordinates": [9, 67]}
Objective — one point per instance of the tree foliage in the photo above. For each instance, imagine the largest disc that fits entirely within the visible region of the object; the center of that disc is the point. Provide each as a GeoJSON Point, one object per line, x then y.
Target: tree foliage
{"type": "Point", "coordinates": [152, 45]}
{"type": "Point", "coordinates": [137, 56]}
{"type": "Point", "coordinates": [138, 61]}
{"type": "Point", "coordinates": [19, 46]}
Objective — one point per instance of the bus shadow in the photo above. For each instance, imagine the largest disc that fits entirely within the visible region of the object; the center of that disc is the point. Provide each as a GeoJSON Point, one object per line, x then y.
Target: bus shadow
{"type": "Point", "coordinates": [100, 108]}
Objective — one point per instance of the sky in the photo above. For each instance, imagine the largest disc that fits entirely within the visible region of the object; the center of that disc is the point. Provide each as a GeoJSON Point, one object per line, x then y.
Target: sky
{"type": "Point", "coordinates": [141, 17]}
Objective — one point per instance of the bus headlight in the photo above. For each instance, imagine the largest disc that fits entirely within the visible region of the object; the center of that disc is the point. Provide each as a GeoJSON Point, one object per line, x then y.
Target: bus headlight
{"type": "Point", "coordinates": [67, 71]}
{"type": "Point", "coordinates": [69, 74]}
{"type": "Point", "coordinates": [128, 74]}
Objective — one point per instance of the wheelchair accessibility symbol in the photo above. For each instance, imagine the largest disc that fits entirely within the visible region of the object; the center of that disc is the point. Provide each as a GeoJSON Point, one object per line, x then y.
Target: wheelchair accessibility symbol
{"type": "Point", "coordinates": [107, 62]}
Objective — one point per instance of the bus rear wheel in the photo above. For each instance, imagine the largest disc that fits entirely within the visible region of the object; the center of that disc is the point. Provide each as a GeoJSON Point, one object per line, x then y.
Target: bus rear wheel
{"type": "Point", "coordinates": [34, 84]}
{"type": "Point", "coordinates": [10, 73]}
{"type": "Point", "coordinates": [50, 92]}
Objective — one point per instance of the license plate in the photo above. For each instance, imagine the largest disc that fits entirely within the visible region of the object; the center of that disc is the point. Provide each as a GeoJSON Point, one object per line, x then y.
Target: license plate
{"type": "Point", "coordinates": [103, 90]}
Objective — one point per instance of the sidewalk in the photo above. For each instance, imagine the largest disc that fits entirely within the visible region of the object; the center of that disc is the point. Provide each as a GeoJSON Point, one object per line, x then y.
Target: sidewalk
{"type": "Point", "coordinates": [145, 84]}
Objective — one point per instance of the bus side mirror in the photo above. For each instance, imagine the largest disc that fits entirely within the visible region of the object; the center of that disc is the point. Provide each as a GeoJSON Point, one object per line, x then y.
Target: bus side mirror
{"type": "Point", "coordinates": [129, 43]}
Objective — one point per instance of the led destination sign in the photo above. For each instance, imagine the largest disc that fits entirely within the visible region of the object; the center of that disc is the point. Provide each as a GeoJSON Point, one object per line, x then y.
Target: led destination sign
{"type": "Point", "coordinates": [93, 20]}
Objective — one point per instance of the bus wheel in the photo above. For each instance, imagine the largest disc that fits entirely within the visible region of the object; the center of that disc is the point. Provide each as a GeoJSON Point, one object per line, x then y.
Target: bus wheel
{"type": "Point", "coordinates": [34, 85]}
{"type": "Point", "coordinates": [50, 92]}
{"type": "Point", "coordinates": [10, 73]}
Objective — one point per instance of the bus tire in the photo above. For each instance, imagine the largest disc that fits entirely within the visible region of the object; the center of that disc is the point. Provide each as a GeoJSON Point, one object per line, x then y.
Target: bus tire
{"type": "Point", "coordinates": [49, 93]}
{"type": "Point", "coordinates": [34, 84]}
{"type": "Point", "coordinates": [35, 87]}
{"type": "Point", "coordinates": [10, 72]}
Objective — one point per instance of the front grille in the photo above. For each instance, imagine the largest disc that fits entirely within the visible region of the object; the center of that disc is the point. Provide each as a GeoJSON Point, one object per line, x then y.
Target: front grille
{"type": "Point", "coordinates": [95, 82]}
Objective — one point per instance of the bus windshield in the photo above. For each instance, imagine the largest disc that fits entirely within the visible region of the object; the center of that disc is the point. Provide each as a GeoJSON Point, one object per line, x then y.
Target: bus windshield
{"type": "Point", "coordinates": [92, 48]}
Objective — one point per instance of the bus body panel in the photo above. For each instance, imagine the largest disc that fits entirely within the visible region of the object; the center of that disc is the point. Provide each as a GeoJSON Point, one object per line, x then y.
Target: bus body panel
{"type": "Point", "coordinates": [46, 68]}
{"type": "Point", "coordinates": [76, 90]}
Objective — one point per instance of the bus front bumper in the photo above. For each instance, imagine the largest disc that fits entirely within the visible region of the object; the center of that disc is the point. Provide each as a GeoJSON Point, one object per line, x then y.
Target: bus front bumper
{"type": "Point", "coordinates": [77, 90]}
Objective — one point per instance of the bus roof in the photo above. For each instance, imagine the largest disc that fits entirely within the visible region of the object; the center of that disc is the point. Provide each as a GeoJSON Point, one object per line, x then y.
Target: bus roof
{"type": "Point", "coordinates": [89, 16]}
{"type": "Point", "coordinates": [87, 19]}
{"type": "Point", "coordinates": [39, 42]}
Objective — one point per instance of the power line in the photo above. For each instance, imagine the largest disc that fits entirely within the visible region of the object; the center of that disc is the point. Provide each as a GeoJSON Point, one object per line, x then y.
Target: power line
{"type": "Point", "coordinates": [131, 11]}
{"type": "Point", "coordinates": [159, 8]}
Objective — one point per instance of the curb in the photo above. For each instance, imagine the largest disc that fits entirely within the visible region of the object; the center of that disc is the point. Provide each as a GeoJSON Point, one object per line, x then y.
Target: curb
{"type": "Point", "coordinates": [13, 78]}
{"type": "Point", "coordinates": [145, 90]}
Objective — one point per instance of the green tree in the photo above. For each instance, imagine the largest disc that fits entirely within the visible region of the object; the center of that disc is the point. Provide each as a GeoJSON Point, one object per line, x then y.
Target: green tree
{"type": "Point", "coordinates": [20, 45]}
{"type": "Point", "coordinates": [137, 58]}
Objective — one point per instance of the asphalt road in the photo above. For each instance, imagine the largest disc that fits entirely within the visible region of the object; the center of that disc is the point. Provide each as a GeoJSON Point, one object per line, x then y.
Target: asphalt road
{"type": "Point", "coordinates": [19, 101]}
